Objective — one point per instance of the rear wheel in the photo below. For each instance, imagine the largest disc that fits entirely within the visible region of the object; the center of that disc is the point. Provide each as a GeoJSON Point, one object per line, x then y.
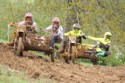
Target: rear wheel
{"type": "Point", "coordinates": [94, 59]}
{"type": "Point", "coordinates": [20, 47]}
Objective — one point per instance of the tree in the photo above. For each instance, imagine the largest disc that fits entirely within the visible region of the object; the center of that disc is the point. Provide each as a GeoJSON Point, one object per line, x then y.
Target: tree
{"type": "Point", "coordinates": [72, 15]}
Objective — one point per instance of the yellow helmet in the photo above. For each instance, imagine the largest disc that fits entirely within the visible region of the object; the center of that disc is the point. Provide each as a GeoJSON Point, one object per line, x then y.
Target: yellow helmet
{"type": "Point", "coordinates": [107, 35]}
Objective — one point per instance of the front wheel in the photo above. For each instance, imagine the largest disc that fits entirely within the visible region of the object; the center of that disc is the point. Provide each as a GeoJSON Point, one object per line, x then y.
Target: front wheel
{"type": "Point", "coordinates": [20, 47]}
{"type": "Point", "coordinates": [73, 54]}
{"type": "Point", "coordinates": [67, 60]}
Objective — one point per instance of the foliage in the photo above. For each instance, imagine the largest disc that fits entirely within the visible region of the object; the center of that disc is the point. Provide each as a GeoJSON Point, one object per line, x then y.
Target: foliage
{"type": "Point", "coordinates": [110, 61]}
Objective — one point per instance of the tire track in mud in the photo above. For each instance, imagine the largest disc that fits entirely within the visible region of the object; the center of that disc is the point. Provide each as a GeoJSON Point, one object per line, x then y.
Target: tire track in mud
{"type": "Point", "coordinates": [60, 72]}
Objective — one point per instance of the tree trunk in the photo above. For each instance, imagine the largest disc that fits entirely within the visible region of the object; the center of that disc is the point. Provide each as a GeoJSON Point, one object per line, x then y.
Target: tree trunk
{"type": "Point", "coordinates": [71, 17]}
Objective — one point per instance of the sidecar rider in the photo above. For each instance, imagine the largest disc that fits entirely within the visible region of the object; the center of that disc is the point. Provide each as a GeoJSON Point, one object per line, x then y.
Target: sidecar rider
{"type": "Point", "coordinates": [103, 44]}
{"type": "Point", "coordinates": [57, 31]}
{"type": "Point", "coordinates": [29, 23]}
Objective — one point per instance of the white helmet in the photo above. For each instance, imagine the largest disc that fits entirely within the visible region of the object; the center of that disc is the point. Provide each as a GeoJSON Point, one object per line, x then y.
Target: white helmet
{"type": "Point", "coordinates": [76, 26]}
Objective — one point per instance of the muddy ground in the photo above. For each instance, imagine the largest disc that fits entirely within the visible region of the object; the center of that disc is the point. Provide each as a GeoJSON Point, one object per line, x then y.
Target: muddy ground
{"type": "Point", "coordinates": [60, 72]}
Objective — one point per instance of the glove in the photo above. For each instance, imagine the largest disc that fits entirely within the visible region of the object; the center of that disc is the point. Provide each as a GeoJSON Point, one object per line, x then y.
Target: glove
{"type": "Point", "coordinates": [55, 34]}
{"type": "Point", "coordinates": [11, 24]}
{"type": "Point", "coordinates": [107, 45]}
{"type": "Point", "coordinates": [31, 27]}
{"type": "Point", "coordinates": [28, 25]}
{"type": "Point", "coordinates": [86, 37]}
{"type": "Point", "coordinates": [82, 34]}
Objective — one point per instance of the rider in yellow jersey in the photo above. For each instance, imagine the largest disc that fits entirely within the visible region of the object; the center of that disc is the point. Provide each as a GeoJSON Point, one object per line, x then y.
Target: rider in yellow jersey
{"type": "Point", "coordinates": [75, 36]}
{"type": "Point", "coordinates": [103, 44]}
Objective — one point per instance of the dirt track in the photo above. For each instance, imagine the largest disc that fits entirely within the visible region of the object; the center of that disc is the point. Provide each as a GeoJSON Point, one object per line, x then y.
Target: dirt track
{"type": "Point", "coordinates": [60, 72]}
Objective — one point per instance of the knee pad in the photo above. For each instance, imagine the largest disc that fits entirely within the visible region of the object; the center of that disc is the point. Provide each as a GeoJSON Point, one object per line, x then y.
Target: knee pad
{"type": "Point", "coordinates": [107, 53]}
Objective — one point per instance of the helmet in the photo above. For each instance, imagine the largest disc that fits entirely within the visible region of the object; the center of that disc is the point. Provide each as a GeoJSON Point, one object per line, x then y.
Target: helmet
{"type": "Point", "coordinates": [107, 35]}
{"type": "Point", "coordinates": [28, 15]}
{"type": "Point", "coordinates": [56, 20]}
{"type": "Point", "coordinates": [76, 26]}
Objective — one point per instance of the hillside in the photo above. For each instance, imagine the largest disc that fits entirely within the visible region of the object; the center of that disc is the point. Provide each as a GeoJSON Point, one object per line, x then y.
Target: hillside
{"type": "Point", "coordinates": [37, 67]}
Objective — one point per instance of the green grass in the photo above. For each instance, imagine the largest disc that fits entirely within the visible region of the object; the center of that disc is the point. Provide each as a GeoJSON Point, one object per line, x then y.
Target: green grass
{"type": "Point", "coordinates": [85, 62]}
{"type": "Point", "coordinates": [3, 41]}
{"type": "Point", "coordinates": [39, 54]}
{"type": "Point", "coordinates": [8, 75]}
{"type": "Point", "coordinates": [11, 76]}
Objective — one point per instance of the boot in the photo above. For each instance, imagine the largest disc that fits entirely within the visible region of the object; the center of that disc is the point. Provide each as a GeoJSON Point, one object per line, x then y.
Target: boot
{"type": "Point", "coordinates": [63, 48]}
